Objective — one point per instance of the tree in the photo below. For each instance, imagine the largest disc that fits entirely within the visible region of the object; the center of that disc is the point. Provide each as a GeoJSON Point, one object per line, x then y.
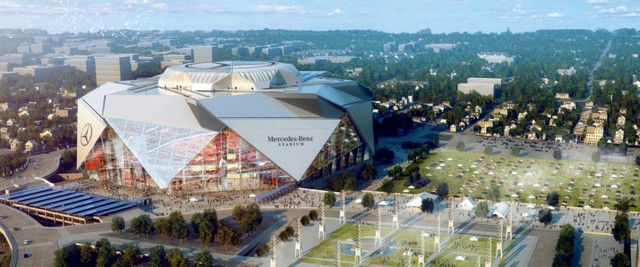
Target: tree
{"type": "Point", "coordinates": [350, 182]}
{"type": "Point", "coordinates": [131, 255]}
{"type": "Point", "coordinates": [368, 200]}
{"type": "Point", "coordinates": [620, 230]}
{"type": "Point", "coordinates": [117, 224]}
{"type": "Point", "coordinates": [106, 253]}
{"type": "Point", "coordinates": [387, 187]}
{"type": "Point", "coordinates": [86, 254]}
{"type": "Point", "coordinates": [196, 219]}
{"type": "Point", "coordinates": [427, 205]}
{"type": "Point", "coordinates": [136, 226]}
{"type": "Point", "coordinates": [206, 233]}
{"type": "Point", "coordinates": [178, 227]}
{"type": "Point", "coordinates": [443, 191]}
{"type": "Point", "coordinates": [305, 220]}
{"type": "Point", "coordinates": [180, 230]}
{"type": "Point", "coordinates": [622, 204]}
{"type": "Point", "coordinates": [262, 250]}
{"type": "Point", "coordinates": [164, 226]}
{"type": "Point", "coordinates": [313, 215]}
{"type": "Point", "coordinates": [176, 259]}
{"type": "Point", "coordinates": [552, 199]}
{"type": "Point", "coordinates": [64, 258]}
{"type": "Point", "coordinates": [515, 151]}
{"type": "Point", "coordinates": [557, 154]}
{"type": "Point", "coordinates": [142, 225]}
{"type": "Point", "coordinates": [595, 156]}
{"type": "Point", "coordinates": [203, 259]}
{"type": "Point", "coordinates": [564, 246]}
{"type": "Point", "coordinates": [226, 236]}
{"type": "Point", "coordinates": [482, 209]}
{"type": "Point", "coordinates": [488, 150]}
{"type": "Point", "coordinates": [157, 256]}
{"type": "Point", "coordinates": [283, 235]}
{"type": "Point", "coordinates": [494, 192]}
{"type": "Point", "coordinates": [249, 217]}
{"type": "Point", "coordinates": [148, 226]}
{"type": "Point", "coordinates": [637, 160]}
{"type": "Point", "coordinates": [545, 216]}
{"type": "Point", "coordinates": [329, 199]}
{"type": "Point", "coordinates": [460, 146]}
{"type": "Point", "coordinates": [368, 172]}
{"type": "Point", "coordinates": [290, 230]}
{"type": "Point", "coordinates": [620, 260]}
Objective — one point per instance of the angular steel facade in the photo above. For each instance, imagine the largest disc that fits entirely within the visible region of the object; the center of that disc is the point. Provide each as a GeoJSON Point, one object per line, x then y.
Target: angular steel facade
{"type": "Point", "coordinates": [224, 126]}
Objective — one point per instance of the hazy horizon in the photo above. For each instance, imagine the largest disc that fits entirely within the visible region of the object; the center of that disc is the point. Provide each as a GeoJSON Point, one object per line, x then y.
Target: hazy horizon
{"type": "Point", "coordinates": [448, 16]}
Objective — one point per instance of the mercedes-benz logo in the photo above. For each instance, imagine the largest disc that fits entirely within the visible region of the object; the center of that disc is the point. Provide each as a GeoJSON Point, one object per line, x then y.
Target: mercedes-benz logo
{"type": "Point", "coordinates": [86, 133]}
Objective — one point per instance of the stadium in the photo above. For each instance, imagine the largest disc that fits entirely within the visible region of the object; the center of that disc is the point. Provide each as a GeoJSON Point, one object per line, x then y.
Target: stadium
{"type": "Point", "coordinates": [220, 126]}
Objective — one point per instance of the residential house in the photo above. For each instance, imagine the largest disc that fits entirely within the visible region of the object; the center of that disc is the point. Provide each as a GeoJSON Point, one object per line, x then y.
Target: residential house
{"type": "Point", "coordinates": [618, 137]}
{"type": "Point", "coordinates": [484, 124]}
{"type": "Point", "coordinates": [453, 128]}
{"type": "Point", "coordinates": [12, 122]}
{"type": "Point", "coordinates": [568, 105]}
{"type": "Point", "coordinates": [16, 144]}
{"type": "Point", "coordinates": [31, 145]}
{"type": "Point", "coordinates": [64, 112]}
{"type": "Point", "coordinates": [621, 121]}
{"type": "Point", "coordinates": [563, 96]}
{"type": "Point", "coordinates": [47, 133]}
{"type": "Point", "coordinates": [593, 135]}
{"type": "Point", "coordinates": [578, 130]}
{"type": "Point", "coordinates": [500, 112]}
{"type": "Point", "coordinates": [23, 113]}
{"type": "Point", "coordinates": [522, 115]}
{"type": "Point", "coordinates": [4, 106]}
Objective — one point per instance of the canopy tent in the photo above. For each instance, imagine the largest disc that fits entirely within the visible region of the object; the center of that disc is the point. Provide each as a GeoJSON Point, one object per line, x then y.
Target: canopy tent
{"type": "Point", "coordinates": [467, 204]}
{"type": "Point", "coordinates": [416, 201]}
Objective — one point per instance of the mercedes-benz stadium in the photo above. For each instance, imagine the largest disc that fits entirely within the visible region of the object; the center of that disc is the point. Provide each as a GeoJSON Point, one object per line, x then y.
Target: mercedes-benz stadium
{"type": "Point", "coordinates": [221, 126]}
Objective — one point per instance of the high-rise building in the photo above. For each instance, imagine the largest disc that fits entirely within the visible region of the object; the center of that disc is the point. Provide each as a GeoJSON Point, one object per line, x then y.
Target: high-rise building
{"type": "Point", "coordinates": [224, 126]}
{"type": "Point", "coordinates": [112, 68]}
{"type": "Point", "coordinates": [83, 63]}
{"type": "Point", "coordinates": [205, 53]}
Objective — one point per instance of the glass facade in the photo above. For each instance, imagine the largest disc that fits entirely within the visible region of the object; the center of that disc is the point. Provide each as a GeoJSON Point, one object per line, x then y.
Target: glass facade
{"type": "Point", "coordinates": [143, 154]}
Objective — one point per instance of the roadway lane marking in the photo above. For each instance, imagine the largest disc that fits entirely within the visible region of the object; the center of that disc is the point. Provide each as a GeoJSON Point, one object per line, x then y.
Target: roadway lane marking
{"type": "Point", "coordinates": [35, 245]}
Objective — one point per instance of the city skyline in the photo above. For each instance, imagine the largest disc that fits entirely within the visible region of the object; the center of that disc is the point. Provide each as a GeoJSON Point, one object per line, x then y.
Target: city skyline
{"type": "Point", "coordinates": [448, 16]}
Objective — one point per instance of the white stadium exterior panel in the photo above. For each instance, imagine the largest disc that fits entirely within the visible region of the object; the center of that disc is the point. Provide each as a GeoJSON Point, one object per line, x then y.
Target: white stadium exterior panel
{"type": "Point", "coordinates": [290, 143]}
{"type": "Point", "coordinates": [90, 126]}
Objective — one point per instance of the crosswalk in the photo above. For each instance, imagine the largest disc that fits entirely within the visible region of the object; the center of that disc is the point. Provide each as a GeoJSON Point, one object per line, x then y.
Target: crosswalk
{"type": "Point", "coordinates": [36, 245]}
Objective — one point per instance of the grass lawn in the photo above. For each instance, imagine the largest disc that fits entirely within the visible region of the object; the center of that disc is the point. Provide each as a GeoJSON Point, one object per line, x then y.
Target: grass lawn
{"type": "Point", "coordinates": [326, 249]}
{"type": "Point", "coordinates": [527, 179]}
{"type": "Point", "coordinates": [402, 239]}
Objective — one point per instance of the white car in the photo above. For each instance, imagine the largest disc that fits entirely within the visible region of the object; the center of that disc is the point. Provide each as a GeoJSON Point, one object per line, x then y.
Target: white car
{"type": "Point", "coordinates": [26, 242]}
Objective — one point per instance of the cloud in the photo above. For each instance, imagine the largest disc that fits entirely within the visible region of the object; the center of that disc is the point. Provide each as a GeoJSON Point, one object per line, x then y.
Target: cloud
{"type": "Point", "coordinates": [614, 10]}
{"type": "Point", "coordinates": [622, 11]}
{"type": "Point", "coordinates": [555, 15]}
{"type": "Point", "coordinates": [599, 2]}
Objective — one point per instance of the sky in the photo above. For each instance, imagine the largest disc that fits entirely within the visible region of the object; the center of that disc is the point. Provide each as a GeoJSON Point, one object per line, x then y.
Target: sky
{"type": "Point", "coordinates": [394, 16]}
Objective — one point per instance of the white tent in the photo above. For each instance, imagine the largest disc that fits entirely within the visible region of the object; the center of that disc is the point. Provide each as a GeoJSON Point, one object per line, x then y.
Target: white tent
{"type": "Point", "coordinates": [473, 238]}
{"type": "Point", "coordinates": [467, 204]}
{"type": "Point", "coordinates": [500, 209]}
{"type": "Point", "coordinates": [383, 203]}
{"type": "Point", "coordinates": [416, 201]}
{"type": "Point", "coordinates": [461, 258]}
